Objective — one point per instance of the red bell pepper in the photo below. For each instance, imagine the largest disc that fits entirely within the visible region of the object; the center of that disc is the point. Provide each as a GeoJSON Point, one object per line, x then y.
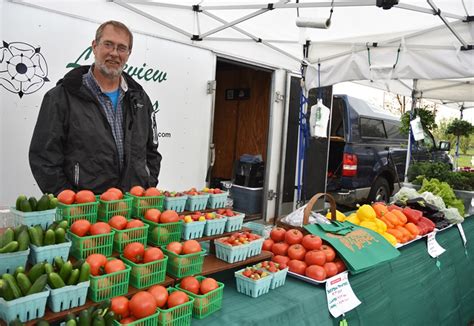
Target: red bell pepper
{"type": "Point", "coordinates": [413, 215]}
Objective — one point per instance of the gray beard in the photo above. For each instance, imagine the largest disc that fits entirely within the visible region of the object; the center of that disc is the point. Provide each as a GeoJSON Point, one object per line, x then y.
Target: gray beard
{"type": "Point", "coordinates": [109, 73]}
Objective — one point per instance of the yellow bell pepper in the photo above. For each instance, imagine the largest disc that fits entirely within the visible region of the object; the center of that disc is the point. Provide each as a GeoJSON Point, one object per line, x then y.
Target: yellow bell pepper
{"type": "Point", "coordinates": [390, 238]}
{"type": "Point", "coordinates": [366, 213]}
{"type": "Point", "coordinates": [369, 225]}
{"type": "Point", "coordinates": [339, 216]}
{"type": "Point", "coordinates": [381, 226]}
{"type": "Point", "coordinates": [353, 219]}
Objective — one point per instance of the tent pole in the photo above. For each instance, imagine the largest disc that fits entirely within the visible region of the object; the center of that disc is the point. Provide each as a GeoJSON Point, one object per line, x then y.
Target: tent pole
{"type": "Point", "coordinates": [458, 139]}
{"type": "Point", "coordinates": [413, 104]}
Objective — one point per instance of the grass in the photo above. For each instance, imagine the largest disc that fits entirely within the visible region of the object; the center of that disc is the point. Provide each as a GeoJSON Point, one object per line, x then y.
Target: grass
{"type": "Point", "coordinates": [464, 160]}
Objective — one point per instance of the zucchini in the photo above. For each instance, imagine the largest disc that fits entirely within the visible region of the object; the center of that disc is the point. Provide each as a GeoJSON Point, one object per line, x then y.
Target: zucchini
{"type": "Point", "coordinates": [12, 285]}
{"type": "Point", "coordinates": [23, 283]}
{"type": "Point", "coordinates": [36, 271]}
{"type": "Point", "coordinates": [55, 281]}
{"type": "Point", "coordinates": [38, 285]}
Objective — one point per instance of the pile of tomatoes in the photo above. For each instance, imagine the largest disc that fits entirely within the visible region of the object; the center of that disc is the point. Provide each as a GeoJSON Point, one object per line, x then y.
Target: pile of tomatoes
{"type": "Point", "coordinates": [184, 248]}
{"type": "Point", "coordinates": [100, 265]}
{"type": "Point", "coordinates": [192, 284]}
{"type": "Point", "coordinates": [156, 216]}
{"type": "Point", "coordinates": [83, 228]}
{"type": "Point", "coordinates": [303, 254]}
{"type": "Point", "coordinates": [136, 253]}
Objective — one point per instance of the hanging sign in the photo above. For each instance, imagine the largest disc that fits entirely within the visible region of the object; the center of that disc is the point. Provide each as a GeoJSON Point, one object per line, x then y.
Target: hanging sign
{"type": "Point", "coordinates": [319, 119]}
{"type": "Point", "coordinates": [434, 249]}
{"type": "Point", "coordinates": [461, 231]}
{"type": "Point", "coordinates": [340, 296]}
{"type": "Point", "coordinates": [417, 129]}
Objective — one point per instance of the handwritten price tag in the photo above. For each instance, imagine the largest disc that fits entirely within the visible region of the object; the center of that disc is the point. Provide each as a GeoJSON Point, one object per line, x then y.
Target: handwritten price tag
{"type": "Point", "coordinates": [340, 296]}
{"type": "Point", "coordinates": [434, 249]}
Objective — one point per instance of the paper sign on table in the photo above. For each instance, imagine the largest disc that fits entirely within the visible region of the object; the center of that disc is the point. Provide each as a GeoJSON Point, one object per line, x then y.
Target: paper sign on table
{"type": "Point", "coordinates": [340, 296]}
{"type": "Point", "coordinates": [434, 249]}
{"type": "Point", "coordinates": [461, 231]}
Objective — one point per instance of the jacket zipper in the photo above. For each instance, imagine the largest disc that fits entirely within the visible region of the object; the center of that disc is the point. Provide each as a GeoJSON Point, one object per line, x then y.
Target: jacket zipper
{"type": "Point", "coordinates": [76, 174]}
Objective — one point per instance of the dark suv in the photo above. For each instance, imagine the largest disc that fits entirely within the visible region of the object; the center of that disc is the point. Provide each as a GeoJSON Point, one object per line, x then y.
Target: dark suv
{"type": "Point", "coordinates": [367, 153]}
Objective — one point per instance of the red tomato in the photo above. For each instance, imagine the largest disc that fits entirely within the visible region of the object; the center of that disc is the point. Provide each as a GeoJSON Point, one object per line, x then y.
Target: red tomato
{"type": "Point", "coordinates": [137, 191]}
{"type": "Point", "coordinates": [331, 269]}
{"type": "Point", "coordinates": [153, 215]}
{"type": "Point", "coordinates": [109, 196]}
{"type": "Point", "coordinates": [134, 224]}
{"type": "Point", "coordinates": [134, 252]}
{"type": "Point", "coordinates": [96, 261]}
{"type": "Point", "coordinates": [191, 247]}
{"type": "Point", "coordinates": [152, 254]}
{"type": "Point", "coordinates": [160, 294]}
{"type": "Point", "coordinates": [267, 244]}
{"type": "Point", "coordinates": [329, 251]}
{"type": "Point", "coordinates": [208, 284]}
{"type": "Point", "coordinates": [169, 216]}
{"type": "Point", "coordinates": [85, 196]}
{"type": "Point", "coordinates": [176, 298]}
{"type": "Point", "coordinates": [316, 272]}
{"type": "Point", "coordinates": [67, 197]}
{"type": "Point", "coordinates": [341, 266]}
{"type": "Point", "coordinates": [127, 321]}
{"type": "Point", "coordinates": [142, 304]}
{"type": "Point", "coordinates": [296, 251]}
{"type": "Point", "coordinates": [312, 242]}
{"type": "Point", "coordinates": [118, 222]}
{"type": "Point", "coordinates": [100, 228]}
{"type": "Point", "coordinates": [152, 192]}
{"type": "Point", "coordinates": [119, 306]}
{"type": "Point", "coordinates": [175, 247]}
{"type": "Point", "coordinates": [277, 234]}
{"type": "Point", "coordinates": [280, 248]}
{"type": "Point", "coordinates": [80, 227]}
{"type": "Point", "coordinates": [117, 191]}
{"type": "Point", "coordinates": [315, 257]}
{"type": "Point", "coordinates": [281, 260]}
{"type": "Point", "coordinates": [297, 266]}
{"type": "Point", "coordinates": [293, 236]}
{"type": "Point", "coordinates": [191, 284]}
{"type": "Point", "coordinates": [114, 265]}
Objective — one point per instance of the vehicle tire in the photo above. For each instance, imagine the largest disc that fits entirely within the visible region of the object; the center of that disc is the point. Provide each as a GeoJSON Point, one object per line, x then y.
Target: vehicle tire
{"type": "Point", "coordinates": [380, 191]}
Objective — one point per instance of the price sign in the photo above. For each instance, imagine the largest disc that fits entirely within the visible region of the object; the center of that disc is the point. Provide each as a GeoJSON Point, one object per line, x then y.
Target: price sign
{"type": "Point", "coordinates": [434, 249]}
{"type": "Point", "coordinates": [340, 296]}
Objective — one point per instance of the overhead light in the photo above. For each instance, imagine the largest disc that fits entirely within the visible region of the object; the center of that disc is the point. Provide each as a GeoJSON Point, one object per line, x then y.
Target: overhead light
{"type": "Point", "coordinates": [322, 23]}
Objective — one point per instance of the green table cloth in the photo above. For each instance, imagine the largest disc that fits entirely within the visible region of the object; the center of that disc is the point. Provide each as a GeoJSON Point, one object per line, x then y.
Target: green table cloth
{"type": "Point", "coordinates": [409, 290]}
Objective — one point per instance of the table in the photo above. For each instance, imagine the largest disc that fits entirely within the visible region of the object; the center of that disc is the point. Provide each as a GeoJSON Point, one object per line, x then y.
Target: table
{"type": "Point", "coordinates": [410, 290]}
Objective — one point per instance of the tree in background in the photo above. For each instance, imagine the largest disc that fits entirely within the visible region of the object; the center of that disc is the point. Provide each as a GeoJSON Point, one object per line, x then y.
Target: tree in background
{"type": "Point", "coordinates": [466, 143]}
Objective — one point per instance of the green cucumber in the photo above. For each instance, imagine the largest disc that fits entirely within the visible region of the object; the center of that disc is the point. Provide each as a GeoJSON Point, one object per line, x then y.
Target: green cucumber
{"type": "Point", "coordinates": [49, 238]}
{"type": "Point", "coordinates": [8, 236]}
{"type": "Point", "coordinates": [2, 285]}
{"type": "Point", "coordinates": [19, 200]}
{"type": "Point", "coordinates": [33, 203]}
{"type": "Point", "coordinates": [48, 268]}
{"type": "Point", "coordinates": [23, 283]}
{"type": "Point", "coordinates": [84, 318]}
{"type": "Point", "coordinates": [11, 247]}
{"type": "Point", "coordinates": [7, 292]}
{"type": "Point", "coordinates": [66, 271]}
{"type": "Point", "coordinates": [53, 226]}
{"type": "Point", "coordinates": [53, 203]}
{"type": "Point", "coordinates": [12, 284]}
{"type": "Point", "coordinates": [63, 224]}
{"type": "Point", "coordinates": [55, 281]}
{"type": "Point", "coordinates": [85, 272]}
{"type": "Point", "coordinates": [34, 237]}
{"type": "Point", "coordinates": [36, 271]}
{"type": "Point", "coordinates": [59, 235]}
{"type": "Point", "coordinates": [17, 230]}
{"type": "Point", "coordinates": [25, 206]}
{"type": "Point", "coordinates": [40, 231]}
{"type": "Point", "coordinates": [19, 269]}
{"type": "Point", "coordinates": [43, 203]}
{"type": "Point", "coordinates": [58, 262]}
{"type": "Point", "coordinates": [74, 277]}
{"type": "Point", "coordinates": [38, 285]}
{"type": "Point", "coordinates": [71, 322]}
{"type": "Point", "coordinates": [23, 240]}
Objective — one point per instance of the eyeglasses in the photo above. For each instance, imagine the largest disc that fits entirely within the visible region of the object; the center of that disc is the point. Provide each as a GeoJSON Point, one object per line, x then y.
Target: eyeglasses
{"type": "Point", "coordinates": [122, 49]}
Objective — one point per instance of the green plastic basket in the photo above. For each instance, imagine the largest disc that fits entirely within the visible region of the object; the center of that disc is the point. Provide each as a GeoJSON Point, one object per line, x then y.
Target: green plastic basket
{"type": "Point", "coordinates": [193, 230]}
{"type": "Point", "coordinates": [92, 244]}
{"type": "Point", "coordinates": [43, 218]}
{"type": "Point", "coordinates": [111, 285]}
{"type": "Point", "coordinates": [177, 316]}
{"type": "Point", "coordinates": [141, 204]}
{"type": "Point", "coordinates": [107, 209]}
{"type": "Point", "coordinates": [10, 261]}
{"type": "Point", "coordinates": [74, 212]}
{"type": "Point", "coordinates": [205, 304]}
{"type": "Point", "coordinates": [123, 237]}
{"type": "Point", "coordinates": [234, 223]}
{"type": "Point", "coordinates": [250, 287]}
{"type": "Point", "coordinates": [68, 297]}
{"type": "Point", "coordinates": [151, 320]}
{"type": "Point", "coordinates": [231, 254]}
{"type": "Point", "coordinates": [176, 203]}
{"type": "Point", "coordinates": [147, 274]}
{"type": "Point", "coordinates": [215, 226]}
{"type": "Point", "coordinates": [197, 202]}
{"type": "Point", "coordinates": [160, 234]}
{"type": "Point", "coordinates": [47, 253]}
{"type": "Point", "coordinates": [25, 308]}
{"type": "Point", "coordinates": [184, 265]}
{"type": "Point", "coordinates": [217, 200]}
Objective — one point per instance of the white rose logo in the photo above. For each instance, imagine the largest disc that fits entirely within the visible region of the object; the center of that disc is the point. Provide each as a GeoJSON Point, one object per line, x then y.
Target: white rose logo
{"type": "Point", "coordinates": [23, 69]}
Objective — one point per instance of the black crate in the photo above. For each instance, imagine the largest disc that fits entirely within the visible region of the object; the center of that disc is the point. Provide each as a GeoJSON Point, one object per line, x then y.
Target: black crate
{"type": "Point", "coordinates": [247, 200]}
{"type": "Point", "coordinates": [249, 174]}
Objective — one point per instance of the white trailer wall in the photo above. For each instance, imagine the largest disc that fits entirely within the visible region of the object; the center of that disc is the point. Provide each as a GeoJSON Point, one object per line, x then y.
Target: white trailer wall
{"type": "Point", "coordinates": [179, 87]}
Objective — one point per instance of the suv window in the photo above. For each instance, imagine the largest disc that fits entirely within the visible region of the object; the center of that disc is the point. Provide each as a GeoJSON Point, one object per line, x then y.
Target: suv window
{"type": "Point", "coordinates": [427, 143]}
{"type": "Point", "coordinates": [372, 128]}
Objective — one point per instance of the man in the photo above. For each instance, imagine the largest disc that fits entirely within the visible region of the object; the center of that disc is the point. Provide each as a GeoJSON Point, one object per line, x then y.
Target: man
{"type": "Point", "coordinates": [94, 130]}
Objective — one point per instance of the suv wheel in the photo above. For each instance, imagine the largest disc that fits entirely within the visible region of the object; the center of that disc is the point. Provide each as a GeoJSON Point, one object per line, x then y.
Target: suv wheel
{"type": "Point", "coordinates": [380, 191]}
